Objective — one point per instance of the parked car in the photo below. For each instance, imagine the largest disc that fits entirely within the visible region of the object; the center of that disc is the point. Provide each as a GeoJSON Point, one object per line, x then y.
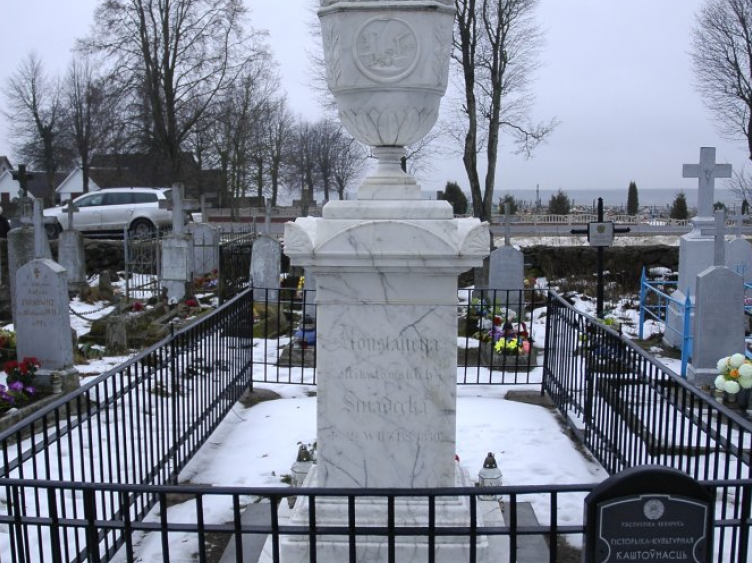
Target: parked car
{"type": "Point", "coordinates": [109, 211]}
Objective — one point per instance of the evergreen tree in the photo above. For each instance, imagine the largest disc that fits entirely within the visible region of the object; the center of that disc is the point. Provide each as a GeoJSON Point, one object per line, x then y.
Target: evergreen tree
{"type": "Point", "coordinates": [508, 199]}
{"type": "Point", "coordinates": [719, 206]}
{"type": "Point", "coordinates": [559, 204]}
{"type": "Point", "coordinates": [633, 200]}
{"type": "Point", "coordinates": [679, 207]}
{"type": "Point", "coordinates": [454, 195]}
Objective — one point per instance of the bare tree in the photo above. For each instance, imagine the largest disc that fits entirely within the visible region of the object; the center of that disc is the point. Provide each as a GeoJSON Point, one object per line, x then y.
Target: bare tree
{"type": "Point", "coordinates": [174, 59]}
{"type": "Point", "coordinates": [722, 57]}
{"type": "Point", "coordinates": [348, 163]}
{"type": "Point", "coordinates": [496, 43]}
{"type": "Point", "coordinates": [279, 132]}
{"type": "Point", "coordinates": [34, 111]}
{"type": "Point", "coordinates": [90, 112]}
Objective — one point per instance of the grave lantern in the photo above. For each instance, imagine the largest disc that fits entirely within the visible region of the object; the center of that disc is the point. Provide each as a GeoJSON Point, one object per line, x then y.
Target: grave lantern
{"type": "Point", "coordinates": [489, 476]}
{"type": "Point", "coordinates": [301, 466]}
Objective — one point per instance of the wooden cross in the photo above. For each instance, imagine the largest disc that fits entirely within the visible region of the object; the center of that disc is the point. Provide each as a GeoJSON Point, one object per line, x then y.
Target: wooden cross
{"type": "Point", "coordinates": [706, 172]}
{"type": "Point", "coordinates": [22, 177]}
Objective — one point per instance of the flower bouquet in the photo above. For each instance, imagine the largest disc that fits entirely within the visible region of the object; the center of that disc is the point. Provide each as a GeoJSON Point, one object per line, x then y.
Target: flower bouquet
{"type": "Point", "coordinates": [735, 374]}
{"type": "Point", "coordinates": [510, 340]}
{"type": "Point", "coordinates": [23, 371]}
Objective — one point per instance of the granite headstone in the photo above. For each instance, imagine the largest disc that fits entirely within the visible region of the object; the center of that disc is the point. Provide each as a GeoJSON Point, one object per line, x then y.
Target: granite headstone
{"type": "Point", "coordinates": [266, 264]}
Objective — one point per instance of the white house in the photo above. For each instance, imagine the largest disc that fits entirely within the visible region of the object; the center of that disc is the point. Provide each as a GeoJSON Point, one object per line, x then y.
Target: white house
{"type": "Point", "coordinates": [73, 186]}
{"type": "Point", "coordinates": [9, 188]}
{"type": "Point", "coordinates": [5, 164]}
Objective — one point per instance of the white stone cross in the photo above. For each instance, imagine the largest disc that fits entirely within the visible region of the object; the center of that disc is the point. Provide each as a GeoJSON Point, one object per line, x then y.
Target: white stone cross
{"type": "Point", "coordinates": [738, 223]}
{"type": "Point", "coordinates": [706, 172]}
{"type": "Point", "coordinates": [719, 247]}
{"type": "Point", "coordinates": [70, 209]}
{"type": "Point", "coordinates": [507, 225]}
{"type": "Point", "coordinates": [178, 209]}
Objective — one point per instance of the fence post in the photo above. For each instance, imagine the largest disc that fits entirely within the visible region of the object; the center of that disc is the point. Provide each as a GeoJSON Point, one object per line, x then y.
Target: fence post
{"type": "Point", "coordinates": [686, 336]}
{"type": "Point", "coordinates": [175, 398]}
{"type": "Point", "coordinates": [643, 292]}
{"type": "Point", "coordinates": [92, 534]}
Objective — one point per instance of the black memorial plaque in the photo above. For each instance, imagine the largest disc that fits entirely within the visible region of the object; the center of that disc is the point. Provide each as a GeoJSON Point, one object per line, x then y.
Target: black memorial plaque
{"type": "Point", "coordinates": [649, 514]}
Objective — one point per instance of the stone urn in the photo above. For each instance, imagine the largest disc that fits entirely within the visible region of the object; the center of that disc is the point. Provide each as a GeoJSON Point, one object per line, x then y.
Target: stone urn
{"type": "Point", "coordinates": [387, 65]}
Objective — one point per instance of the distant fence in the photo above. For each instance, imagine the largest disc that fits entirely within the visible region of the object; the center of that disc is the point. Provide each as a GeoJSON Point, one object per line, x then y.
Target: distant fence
{"type": "Point", "coordinates": [583, 218]}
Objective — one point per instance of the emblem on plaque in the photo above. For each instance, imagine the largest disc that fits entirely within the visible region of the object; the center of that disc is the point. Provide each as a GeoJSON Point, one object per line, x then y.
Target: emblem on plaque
{"type": "Point", "coordinates": [386, 49]}
{"type": "Point", "coordinates": [653, 509]}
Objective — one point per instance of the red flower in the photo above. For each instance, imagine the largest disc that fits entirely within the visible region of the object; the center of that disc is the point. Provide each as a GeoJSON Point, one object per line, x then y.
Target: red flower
{"type": "Point", "coordinates": [191, 303]}
{"type": "Point", "coordinates": [497, 321]}
{"type": "Point", "coordinates": [10, 366]}
{"type": "Point", "coordinates": [137, 306]}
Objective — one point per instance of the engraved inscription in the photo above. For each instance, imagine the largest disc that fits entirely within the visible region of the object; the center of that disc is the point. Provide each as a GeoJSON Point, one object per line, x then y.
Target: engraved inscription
{"type": "Point", "coordinates": [386, 49]}
{"type": "Point", "coordinates": [424, 347]}
{"type": "Point", "coordinates": [384, 405]}
{"type": "Point", "coordinates": [416, 374]}
{"type": "Point", "coordinates": [395, 436]}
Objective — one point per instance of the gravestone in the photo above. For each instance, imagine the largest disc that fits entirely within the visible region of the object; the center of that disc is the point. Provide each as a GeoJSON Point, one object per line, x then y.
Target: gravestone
{"type": "Point", "coordinates": [507, 270]}
{"type": "Point", "coordinates": [386, 268]}
{"type": "Point", "coordinates": [266, 267]}
{"type": "Point", "coordinates": [43, 328]}
{"type": "Point", "coordinates": [70, 252]}
{"type": "Point", "coordinates": [649, 513]}
{"type": "Point", "coordinates": [696, 247]}
{"type": "Point", "coordinates": [719, 315]}
{"type": "Point", "coordinates": [739, 252]}
{"type": "Point", "coordinates": [177, 253]}
{"type": "Point", "coordinates": [205, 248]}
{"type": "Point", "coordinates": [25, 243]}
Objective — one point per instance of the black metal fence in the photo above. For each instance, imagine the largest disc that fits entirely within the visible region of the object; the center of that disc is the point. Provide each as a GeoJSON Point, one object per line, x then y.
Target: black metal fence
{"type": "Point", "coordinates": [234, 263]}
{"type": "Point", "coordinates": [630, 410]}
{"type": "Point", "coordinates": [497, 344]}
{"type": "Point", "coordinates": [92, 477]}
{"type": "Point", "coordinates": [138, 424]}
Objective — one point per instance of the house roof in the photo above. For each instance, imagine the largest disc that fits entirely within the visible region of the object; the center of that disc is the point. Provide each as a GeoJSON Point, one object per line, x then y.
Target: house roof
{"type": "Point", "coordinates": [149, 170]}
{"type": "Point", "coordinates": [37, 183]}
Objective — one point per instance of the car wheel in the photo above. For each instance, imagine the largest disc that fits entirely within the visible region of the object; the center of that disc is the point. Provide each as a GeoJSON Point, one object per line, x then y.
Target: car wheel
{"type": "Point", "coordinates": [52, 230]}
{"type": "Point", "coordinates": [142, 228]}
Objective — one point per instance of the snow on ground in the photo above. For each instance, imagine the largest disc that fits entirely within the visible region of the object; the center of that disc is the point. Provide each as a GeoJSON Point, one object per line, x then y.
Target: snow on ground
{"type": "Point", "coordinates": [256, 446]}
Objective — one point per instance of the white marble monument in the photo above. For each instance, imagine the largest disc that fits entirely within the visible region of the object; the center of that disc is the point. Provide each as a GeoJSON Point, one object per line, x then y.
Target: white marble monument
{"type": "Point", "coordinates": [719, 316]}
{"type": "Point", "coordinates": [696, 247]}
{"type": "Point", "coordinates": [386, 268]}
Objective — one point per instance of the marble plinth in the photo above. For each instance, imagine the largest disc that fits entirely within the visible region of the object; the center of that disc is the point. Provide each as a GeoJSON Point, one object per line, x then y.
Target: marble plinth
{"type": "Point", "coordinates": [372, 512]}
{"type": "Point", "coordinates": [386, 297]}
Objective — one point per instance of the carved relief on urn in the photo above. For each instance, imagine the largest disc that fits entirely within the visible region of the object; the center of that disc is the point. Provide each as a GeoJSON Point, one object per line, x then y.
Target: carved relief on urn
{"type": "Point", "coordinates": [387, 65]}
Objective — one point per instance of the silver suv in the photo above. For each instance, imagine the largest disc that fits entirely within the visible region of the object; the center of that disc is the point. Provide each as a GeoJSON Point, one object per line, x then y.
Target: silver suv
{"type": "Point", "coordinates": [111, 210]}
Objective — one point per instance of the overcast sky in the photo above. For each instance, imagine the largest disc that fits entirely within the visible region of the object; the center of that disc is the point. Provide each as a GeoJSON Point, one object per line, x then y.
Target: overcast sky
{"type": "Point", "coordinates": [617, 74]}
